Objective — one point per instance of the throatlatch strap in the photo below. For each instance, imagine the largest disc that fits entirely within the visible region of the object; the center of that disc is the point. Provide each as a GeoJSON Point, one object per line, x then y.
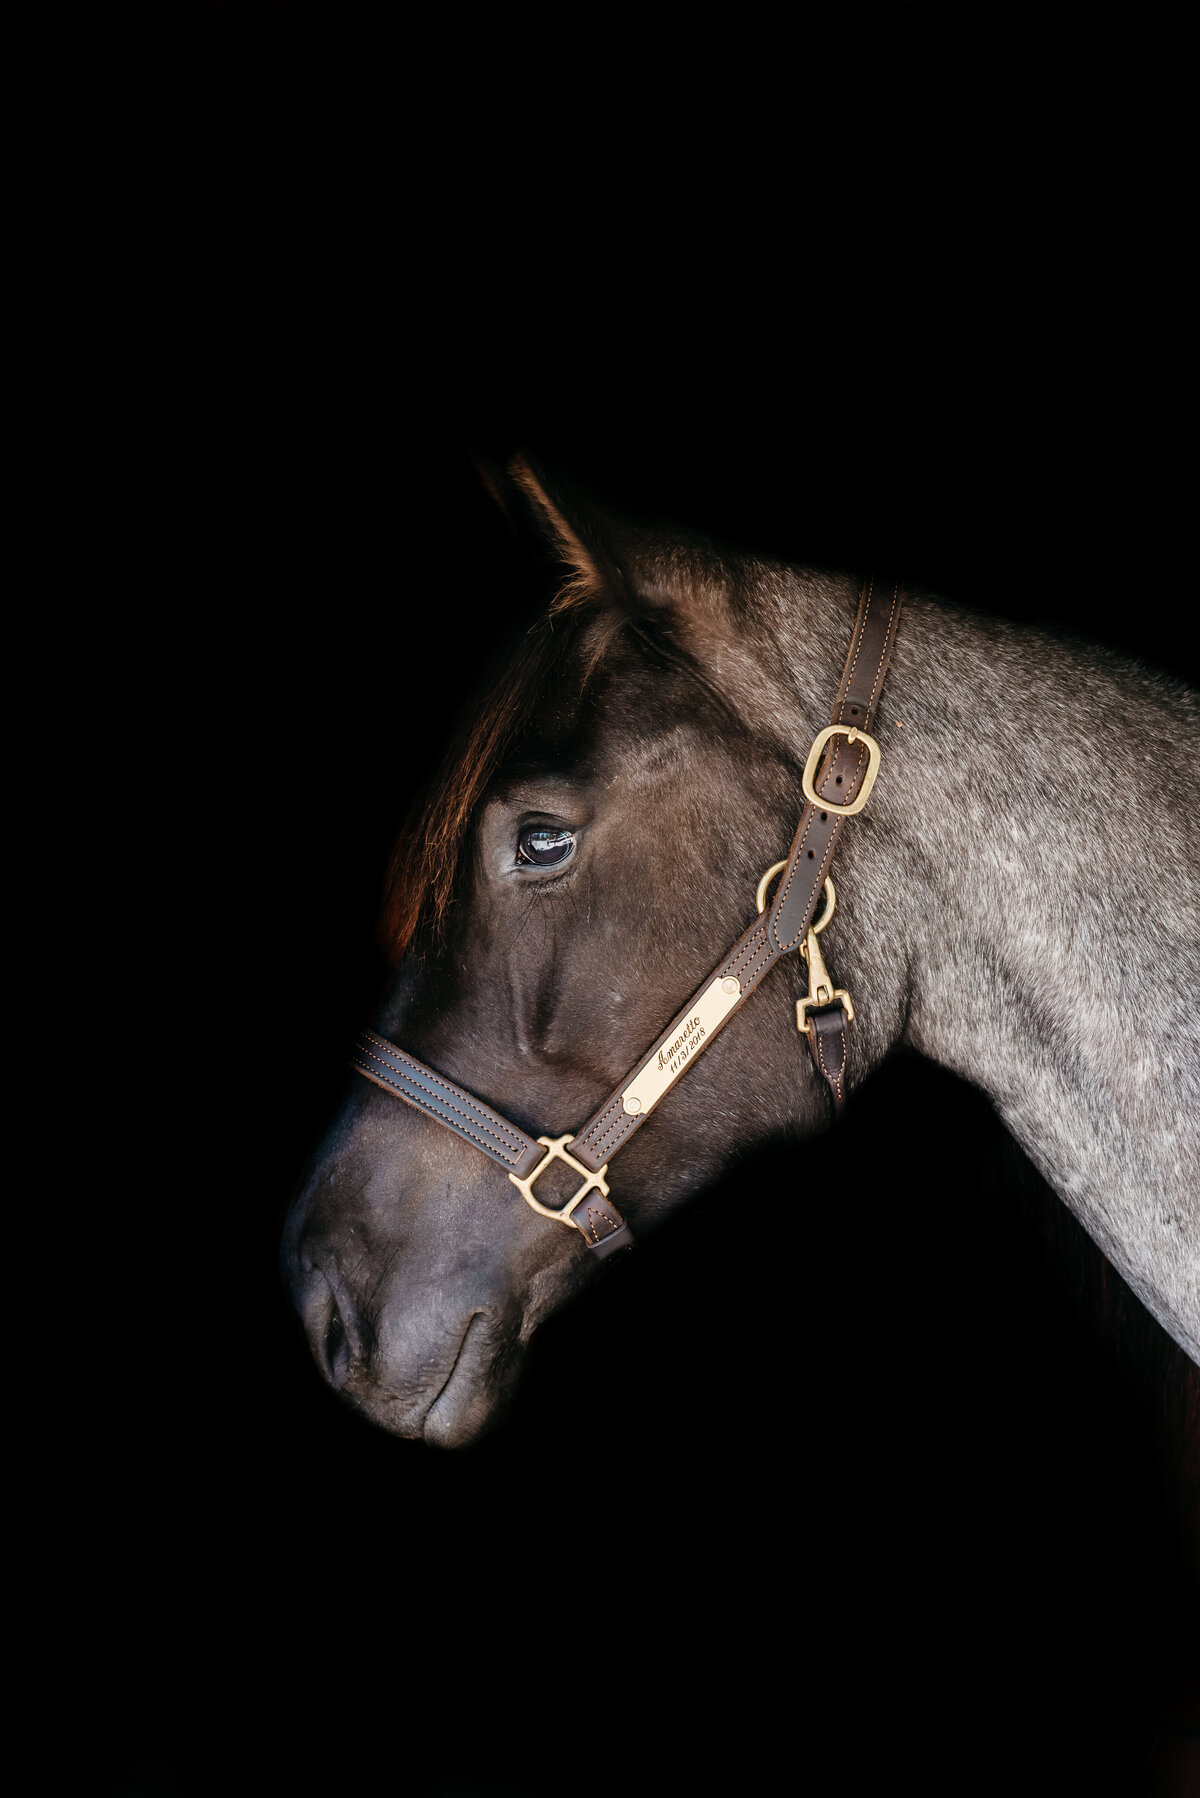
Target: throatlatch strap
{"type": "Point", "coordinates": [799, 892]}
{"type": "Point", "coordinates": [845, 764]}
{"type": "Point", "coordinates": [840, 775]}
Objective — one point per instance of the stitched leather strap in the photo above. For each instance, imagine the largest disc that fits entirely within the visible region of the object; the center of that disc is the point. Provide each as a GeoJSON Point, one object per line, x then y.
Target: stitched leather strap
{"type": "Point", "coordinates": [419, 1086]}
{"type": "Point", "coordinates": [841, 772]}
{"type": "Point", "coordinates": [604, 1229]}
{"type": "Point", "coordinates": [610, 1128]}
{"type": "Point", "coordinates": [838, 779]}
{"type": "Point", "coordinates": [828, 1044]}
{"type": "Point", "coordinates": [406, 1078]}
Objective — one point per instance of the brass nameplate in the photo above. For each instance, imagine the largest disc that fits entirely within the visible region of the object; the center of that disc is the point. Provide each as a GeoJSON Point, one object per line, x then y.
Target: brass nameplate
{"type": "Point", "coordinates": [688, 1035]}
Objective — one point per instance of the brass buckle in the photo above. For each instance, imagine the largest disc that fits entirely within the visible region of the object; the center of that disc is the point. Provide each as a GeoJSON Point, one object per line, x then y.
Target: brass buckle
{"type": "Point", "coordinates": [821, 990]}
{"type": "Point", "coordinates": [814, 755]}
{"type": "Point", "coordinates": [556, 1151]}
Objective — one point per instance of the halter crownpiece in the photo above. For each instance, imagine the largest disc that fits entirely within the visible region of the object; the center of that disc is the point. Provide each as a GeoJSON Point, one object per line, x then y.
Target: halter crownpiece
{"type": "Point", "coordinates": [838, 777]}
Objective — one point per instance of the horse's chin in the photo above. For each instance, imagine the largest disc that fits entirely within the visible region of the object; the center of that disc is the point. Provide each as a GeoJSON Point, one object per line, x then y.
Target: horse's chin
{"type": "Point", "coordinates": [475, 1394]}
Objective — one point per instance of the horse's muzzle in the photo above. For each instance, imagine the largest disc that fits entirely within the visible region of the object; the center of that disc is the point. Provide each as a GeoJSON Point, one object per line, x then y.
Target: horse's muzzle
{"type": "Point", "coordinates": [422, 1365]}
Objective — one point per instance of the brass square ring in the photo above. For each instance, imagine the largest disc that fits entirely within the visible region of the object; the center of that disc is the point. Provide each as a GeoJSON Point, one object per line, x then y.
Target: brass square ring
{"type": "Point", "coordinates": [556, 1150]}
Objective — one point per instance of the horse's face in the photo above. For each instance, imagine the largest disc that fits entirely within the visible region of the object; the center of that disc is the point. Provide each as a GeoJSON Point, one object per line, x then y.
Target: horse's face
{"type": "Point", "coordinates": [418, 1268]}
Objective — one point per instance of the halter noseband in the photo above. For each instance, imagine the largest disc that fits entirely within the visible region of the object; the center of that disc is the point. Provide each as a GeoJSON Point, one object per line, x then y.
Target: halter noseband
{"type": "Point", "coordinates": [844, 760]}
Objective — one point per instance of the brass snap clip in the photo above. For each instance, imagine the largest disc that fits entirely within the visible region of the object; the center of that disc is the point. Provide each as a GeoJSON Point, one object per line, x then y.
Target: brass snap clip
{"type": "Point", "coordinates": [821, 990]}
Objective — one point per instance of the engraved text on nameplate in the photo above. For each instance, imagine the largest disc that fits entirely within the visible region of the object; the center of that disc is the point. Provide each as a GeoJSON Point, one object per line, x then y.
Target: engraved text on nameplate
{"type": "Point", "coordinates": [687, 1037]}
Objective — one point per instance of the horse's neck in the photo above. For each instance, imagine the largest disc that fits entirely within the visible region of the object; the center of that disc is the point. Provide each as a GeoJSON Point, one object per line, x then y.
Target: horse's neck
{"type": "Point", "coordinates": [1031, 862]}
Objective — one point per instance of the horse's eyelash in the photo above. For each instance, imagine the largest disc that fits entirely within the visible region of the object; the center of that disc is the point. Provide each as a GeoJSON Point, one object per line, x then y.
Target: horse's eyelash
{"type": "Point", "coordinates": [551, 880]}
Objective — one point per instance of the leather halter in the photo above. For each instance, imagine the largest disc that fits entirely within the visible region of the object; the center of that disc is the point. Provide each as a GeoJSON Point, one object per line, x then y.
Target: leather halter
{"type": "Point", "coordinates": [837, 782]}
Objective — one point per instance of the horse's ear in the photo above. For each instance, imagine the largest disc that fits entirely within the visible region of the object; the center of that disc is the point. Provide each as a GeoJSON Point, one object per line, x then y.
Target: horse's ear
{"type": "Point", "coordinates": [599, 554]}
{"type": "Point", "coordinates": [683, 592]}
{"type": "Point", "coordinates": [571, 532]}
{"type": "Point", "coordinates": [557, 524]}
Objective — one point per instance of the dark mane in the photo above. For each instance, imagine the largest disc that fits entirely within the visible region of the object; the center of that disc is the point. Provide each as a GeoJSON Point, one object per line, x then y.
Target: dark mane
{"type": "Point", "coordinates": [425, 862]}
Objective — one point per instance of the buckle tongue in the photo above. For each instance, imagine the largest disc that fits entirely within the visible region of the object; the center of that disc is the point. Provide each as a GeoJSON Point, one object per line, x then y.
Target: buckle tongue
{"type": "Point", "coordinates": [852, 732]}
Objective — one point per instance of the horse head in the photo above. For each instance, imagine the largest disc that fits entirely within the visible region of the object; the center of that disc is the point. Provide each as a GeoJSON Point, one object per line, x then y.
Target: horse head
{"type": "Point", "coordinates": [581, 865]}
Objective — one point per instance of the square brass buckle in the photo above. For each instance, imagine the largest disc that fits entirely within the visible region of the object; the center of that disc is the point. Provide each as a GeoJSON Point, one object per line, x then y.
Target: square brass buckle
{"type": "Point", "coordinates": [556, 1150]}
{"type": "Point", "coordinates": [814, 755]}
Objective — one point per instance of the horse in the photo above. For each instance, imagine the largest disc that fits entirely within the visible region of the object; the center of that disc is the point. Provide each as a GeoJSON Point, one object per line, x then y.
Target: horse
{"type": "Point", "coordinates": [1019, 903]}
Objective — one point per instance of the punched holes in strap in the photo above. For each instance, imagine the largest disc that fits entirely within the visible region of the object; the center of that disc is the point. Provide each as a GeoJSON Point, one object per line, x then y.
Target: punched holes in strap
{"type": "Point", "coordinates": [845, 765]}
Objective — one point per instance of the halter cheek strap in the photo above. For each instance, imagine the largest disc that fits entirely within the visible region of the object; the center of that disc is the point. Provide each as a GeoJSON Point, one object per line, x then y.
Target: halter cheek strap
{"type": "Point", "coordinates": [837, 781]}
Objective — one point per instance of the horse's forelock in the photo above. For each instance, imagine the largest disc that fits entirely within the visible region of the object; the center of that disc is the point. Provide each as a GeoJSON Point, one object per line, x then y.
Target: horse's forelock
{"type": "Point", "coordinates": [424, 866]}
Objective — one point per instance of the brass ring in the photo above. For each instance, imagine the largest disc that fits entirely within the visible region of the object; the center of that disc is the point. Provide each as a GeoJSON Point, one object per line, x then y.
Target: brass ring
{"type": "Point", "coordinates": [760, 897]}
{"type": "Point", "coordinates": [831, 896]}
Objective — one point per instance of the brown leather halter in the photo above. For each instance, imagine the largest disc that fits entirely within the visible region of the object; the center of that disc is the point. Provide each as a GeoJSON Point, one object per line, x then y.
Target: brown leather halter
{"type": "Point", "coordinates": [837, 781]}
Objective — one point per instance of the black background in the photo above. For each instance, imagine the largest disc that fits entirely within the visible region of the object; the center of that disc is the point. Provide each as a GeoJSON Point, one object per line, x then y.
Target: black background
{"type": "Point", "coordinates": [857, 1490]}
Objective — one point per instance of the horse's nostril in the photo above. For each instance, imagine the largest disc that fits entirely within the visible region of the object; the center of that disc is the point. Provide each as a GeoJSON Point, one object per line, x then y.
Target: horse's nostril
{"type": "Point", "coordinates": [337, 1348]}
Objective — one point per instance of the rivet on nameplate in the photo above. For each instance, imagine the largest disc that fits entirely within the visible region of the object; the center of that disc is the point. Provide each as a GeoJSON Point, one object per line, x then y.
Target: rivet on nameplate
{"type": "Point", "coordinates": [633, 1106]}
{"type": "Point", "coordinates": [730, 985]}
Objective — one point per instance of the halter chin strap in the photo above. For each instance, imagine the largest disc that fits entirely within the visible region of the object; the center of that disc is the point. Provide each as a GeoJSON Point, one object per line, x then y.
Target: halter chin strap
{"type": "Point", "coordinates": [837, 781]}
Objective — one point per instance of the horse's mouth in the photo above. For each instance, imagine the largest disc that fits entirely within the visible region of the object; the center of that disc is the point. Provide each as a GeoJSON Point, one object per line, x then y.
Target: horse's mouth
{"type": "Point", "coordinates": [475, 1390]}
{"type": "Point", "coordinates": [479, 1379]}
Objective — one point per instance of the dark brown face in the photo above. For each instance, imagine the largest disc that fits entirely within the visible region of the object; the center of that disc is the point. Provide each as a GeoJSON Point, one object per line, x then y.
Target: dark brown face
{"type": "Point", "coordinates": [609, 870]}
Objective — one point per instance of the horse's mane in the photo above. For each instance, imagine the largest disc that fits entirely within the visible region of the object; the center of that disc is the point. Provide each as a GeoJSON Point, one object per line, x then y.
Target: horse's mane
{"type": "Point", "coordinates": [425, 862]}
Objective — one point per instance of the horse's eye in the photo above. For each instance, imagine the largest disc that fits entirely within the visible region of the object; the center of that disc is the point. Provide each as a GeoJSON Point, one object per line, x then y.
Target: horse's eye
{"type": "Point", "coordinates": [544, 844]}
